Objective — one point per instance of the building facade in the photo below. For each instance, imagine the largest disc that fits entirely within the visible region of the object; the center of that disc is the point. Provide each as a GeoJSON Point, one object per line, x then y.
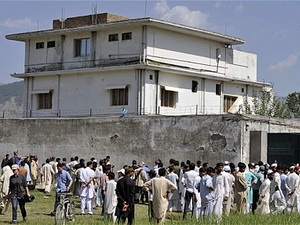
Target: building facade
{"type": "Point", "coordinates": [103, 63]}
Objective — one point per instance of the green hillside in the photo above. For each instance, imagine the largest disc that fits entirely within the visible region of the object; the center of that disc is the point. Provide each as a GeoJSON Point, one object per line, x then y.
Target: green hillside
{"type": "Point", "coordinates": [7, 91]}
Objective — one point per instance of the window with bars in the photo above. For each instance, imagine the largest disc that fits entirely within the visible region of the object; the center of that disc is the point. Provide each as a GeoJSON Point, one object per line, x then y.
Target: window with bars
{"type": "Point", "coordinates": [119, 96]}
{"type": "Point", "coordinates": [113, 37]}
{"type": "Point", "coordinates": [39, 45]}
{"type": "Point", "coordinates": [82, 47]}
{"type": "Point", "coordinates": [168, 98]}
{"type": "Point", "coordinates": [228, 102]}
{"type": "Point", "coordinates": [45, 100]}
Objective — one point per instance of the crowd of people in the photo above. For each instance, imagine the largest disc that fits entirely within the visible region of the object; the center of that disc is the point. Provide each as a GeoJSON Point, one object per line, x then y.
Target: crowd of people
{"type": "Point", "coordinates": [204, 190]}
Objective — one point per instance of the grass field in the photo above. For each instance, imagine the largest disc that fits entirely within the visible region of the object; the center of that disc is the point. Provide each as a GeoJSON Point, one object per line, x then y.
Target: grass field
{"type": "Point", "coordinates": [38, 214]}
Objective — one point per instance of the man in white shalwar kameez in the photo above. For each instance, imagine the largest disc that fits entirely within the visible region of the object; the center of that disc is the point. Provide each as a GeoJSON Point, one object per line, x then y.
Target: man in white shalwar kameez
{"type": "Point", "coordinates": [293, 190]}
{"type": "Point", "coordinates": [87, 190]}
{"type": "Point", "coordinates": [111, 201]}
{"type": "Point", "coordinates": [160, 187]}
{"type": "Point", "coordinates": [221, 191]}
{"type": "Point", "coordinates": [277, 199]}
{"type": "Point", "coordinates": [173, 197]}
{"type": "Point", "coordinates": [230, 179]}
{"type": "Point", "coordinates": [207, 192]}
{"type": "Point", "coordinates": [4, 184]}
{"type": "Point", "coordinates": [47, 172]}
{"type": "Point", "coordinates": [263, 204]}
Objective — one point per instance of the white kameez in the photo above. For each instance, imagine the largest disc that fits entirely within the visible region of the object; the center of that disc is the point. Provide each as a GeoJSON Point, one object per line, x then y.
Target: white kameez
{"type": "Point", "coordinates": [111, 201]}
{"type": "Point", "coordinates": [264, 198]}
{"type": "Point", "coordinates": [87, 193]}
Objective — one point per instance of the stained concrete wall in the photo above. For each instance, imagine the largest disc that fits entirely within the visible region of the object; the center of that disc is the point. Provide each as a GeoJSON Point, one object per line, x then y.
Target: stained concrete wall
{"type": "Point", "coordinates": [144, 138]}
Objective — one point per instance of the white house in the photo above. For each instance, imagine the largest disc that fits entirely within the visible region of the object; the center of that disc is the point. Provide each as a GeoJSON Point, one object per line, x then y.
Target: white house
{"type": "Point", "coordinates": [99, 64]}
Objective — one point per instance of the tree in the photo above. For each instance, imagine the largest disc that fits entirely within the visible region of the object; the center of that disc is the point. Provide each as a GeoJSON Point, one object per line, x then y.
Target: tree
{"type": "Point", "coordinates": [265, 103]}
{"type": "Point", "coordinates": [293, 104]}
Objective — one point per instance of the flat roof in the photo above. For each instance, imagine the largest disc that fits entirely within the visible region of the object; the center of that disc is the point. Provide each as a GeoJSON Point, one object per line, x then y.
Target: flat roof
{"type": "Point", "coordinates": [166, 25]}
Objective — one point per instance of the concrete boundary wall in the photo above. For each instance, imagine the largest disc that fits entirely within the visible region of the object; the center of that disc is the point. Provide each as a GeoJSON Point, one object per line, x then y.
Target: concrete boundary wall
{"type": "Point", "coordinates": [208, 138]}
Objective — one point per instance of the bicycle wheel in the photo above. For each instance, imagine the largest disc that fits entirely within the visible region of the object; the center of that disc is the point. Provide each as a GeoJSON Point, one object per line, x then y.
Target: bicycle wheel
{"type": "Point", "coordinates": [60, 218]}
{"type": "Point", "coordinates": [70, 214]}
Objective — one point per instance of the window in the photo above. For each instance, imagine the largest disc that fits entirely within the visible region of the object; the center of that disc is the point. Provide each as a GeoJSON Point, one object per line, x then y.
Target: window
{"type": "Point", "coordinates": [168, 98]}
{"type": "Point", "coordinates": [45, 100]}
{"type": "Point", "coordinates": [242, 90]}
{"type": "Point", "coordinates": [126, 36]}
{"type": "Point", "coordinates": [82, 47]}
{"type": "Point", "coordinates": [39, 45]}
{"type": "Point", "coordinates": [194, 86]}
{"type": "Point", "coordinates": [228, 102]}
{"type": "Point", "coordinates": [151, 77]}
{"type": "Point", "coordinates": [218, 89]}
{"type": "Point", "coordinates": [50, 44]}
{"type": "Point", "coordinates": [113, 37]}
{"type": "Point", "coordinates": [119, 96]}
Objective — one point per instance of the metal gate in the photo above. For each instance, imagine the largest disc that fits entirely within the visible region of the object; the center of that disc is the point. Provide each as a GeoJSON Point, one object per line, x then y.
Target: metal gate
{"type": "Point", "coordinates": [284, 148]}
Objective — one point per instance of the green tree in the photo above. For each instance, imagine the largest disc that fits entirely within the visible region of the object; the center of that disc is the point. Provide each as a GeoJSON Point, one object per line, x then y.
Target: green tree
{"type": "Point", "coordinates": [293, 104]}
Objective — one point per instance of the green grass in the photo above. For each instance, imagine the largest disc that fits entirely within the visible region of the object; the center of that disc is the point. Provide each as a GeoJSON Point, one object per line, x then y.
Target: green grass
{"type": "Point", "coordinates": [39, 209]}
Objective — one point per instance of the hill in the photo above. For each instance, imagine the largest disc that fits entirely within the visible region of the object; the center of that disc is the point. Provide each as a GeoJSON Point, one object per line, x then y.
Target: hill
{"type": "Point", "coordinates": [7, 91]}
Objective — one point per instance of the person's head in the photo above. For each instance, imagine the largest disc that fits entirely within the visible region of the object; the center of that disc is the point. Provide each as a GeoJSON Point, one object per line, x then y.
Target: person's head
{"type": "Point", "coordinates": [58, 160]}
{"type": "Point", "coordinates": [210, 171]}
{"type": "Point", "coordinates": [152, 174]}
{"type": "Point", "coordinates": [89, 164]}
{"type": "Point", "coordinates": [162, 172]}
{"type": "Point", "coordinates": [111, 176]}
{"type": "Point", "coordinates": [279, 169]}
{"type": "Point", "coordinates": [47, 160]}
{"type": "Point", "coordinates": [270, 174]}
{"type": "Point", "coordinates": [171, 161]}
{"type": "Point", "coordinates": [22, 163]}
{"type": "Point", "coordinates": [76, 158]}
{"type": "Point", "coordinates": [71, 159]}
{"type": "Point", "coordinates": [242, 167]}
{"type": "Point", "coordinates": [7, 156]}
{"type": "Point", "coordinates": [129, 171]}
{"type": "Point", "coordinates": [15, 169]}
{"type": "Point", "coordinates": [121, 172]}
{"type": "Point", "coordinates": [16, 153]}
{"type": "Point", "coordinates": [188, 162]}
{"type": "Point", "coordinates": [219, 168]}
{"type": "Point", "coordinates": [274, 167]}
{"type": "Point", "coordinates": [171, 169]}
{"type": "Point", "coordinates": [198, 163]}
{"type": "Point", "coordinates": [205, 165]}
{"type": "Point", "coordinates": [192, 166]}
{"type": "Point", "coordinates": [64, 160]}
{"type": "Point", "coordinates": [297, 169]}
{"type": "Point", "coordinates": [202, 172]}
{"type": "Point", "coordinates": [59, 167]}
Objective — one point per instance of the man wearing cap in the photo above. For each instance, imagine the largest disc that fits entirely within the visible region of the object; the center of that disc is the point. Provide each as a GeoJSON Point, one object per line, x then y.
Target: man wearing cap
{"type": "Point", "coordinates": [263, 206]}
{"type": "Point", "coordinates": [277, 200]}
{"type": "Point", "coordinates": [125, 195]}
{"type": "Point", "coordinates": [240, 188]}
{"type": "Point", "coordinates": [293, 189]}
{"type": "Point", "coordinates": [260, 179]}
{"type": "Point", "coordinates": [230, 179]}
{"type": "Point", "coordinates": [17, 190]}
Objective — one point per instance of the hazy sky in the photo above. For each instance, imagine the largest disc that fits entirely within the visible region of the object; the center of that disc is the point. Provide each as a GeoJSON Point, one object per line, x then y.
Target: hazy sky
{"type": "Point", "coordinates": [271, 29]}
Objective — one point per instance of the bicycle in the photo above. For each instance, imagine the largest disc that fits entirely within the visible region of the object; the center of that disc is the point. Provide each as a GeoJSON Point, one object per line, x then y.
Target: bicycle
{"type": "Point", "coordinates": [65, 210]}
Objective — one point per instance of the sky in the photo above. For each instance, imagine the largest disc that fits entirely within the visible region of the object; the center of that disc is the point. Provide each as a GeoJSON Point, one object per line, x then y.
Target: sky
{"type": "Point", "coordinates": [271, 29]}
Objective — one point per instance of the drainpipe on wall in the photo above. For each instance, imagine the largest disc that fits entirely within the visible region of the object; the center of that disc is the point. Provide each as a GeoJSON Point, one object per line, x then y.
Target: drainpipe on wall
{"type": "Point", "coordinates": [144, 43]}
{"type": "Point", "coordinates": [156, 77]}
{"type": "Point", "coordinates": [58, 95]}
{"type": "Point", "coordinates": [203, 94]}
